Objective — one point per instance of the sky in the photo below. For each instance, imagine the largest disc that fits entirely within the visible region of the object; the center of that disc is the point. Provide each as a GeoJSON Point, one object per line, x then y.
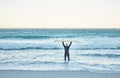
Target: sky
{"type": "Point", "coordinates": [59, 13]}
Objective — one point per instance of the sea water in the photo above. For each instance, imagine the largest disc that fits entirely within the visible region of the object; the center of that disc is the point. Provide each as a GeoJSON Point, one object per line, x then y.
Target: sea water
{"type": "Point", "coordinates": [96, 50]}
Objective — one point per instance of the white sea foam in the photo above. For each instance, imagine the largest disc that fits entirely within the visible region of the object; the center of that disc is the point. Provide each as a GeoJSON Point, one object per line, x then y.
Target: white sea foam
{"type": "Point", "coordinates": [96, 50]}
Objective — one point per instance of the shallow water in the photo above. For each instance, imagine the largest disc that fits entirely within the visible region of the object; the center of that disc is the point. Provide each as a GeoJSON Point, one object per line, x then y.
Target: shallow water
{"type": "Point", "coordinates": [98, 50]}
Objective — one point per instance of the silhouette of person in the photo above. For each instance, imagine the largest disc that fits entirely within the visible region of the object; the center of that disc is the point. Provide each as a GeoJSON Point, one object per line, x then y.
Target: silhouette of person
{"type": "Point", "coordinates": [66, 48]}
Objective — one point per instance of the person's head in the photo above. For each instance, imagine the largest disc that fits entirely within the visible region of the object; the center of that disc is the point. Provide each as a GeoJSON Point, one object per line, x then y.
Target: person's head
{"type": "Point", "coordinates": [66, 44]}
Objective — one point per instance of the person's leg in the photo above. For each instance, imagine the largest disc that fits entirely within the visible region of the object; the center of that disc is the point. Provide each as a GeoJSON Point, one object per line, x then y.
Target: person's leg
{"type": "Point", "coordinates": [68, 57]}
{"type": "Point", "coordinates": [65, 57]}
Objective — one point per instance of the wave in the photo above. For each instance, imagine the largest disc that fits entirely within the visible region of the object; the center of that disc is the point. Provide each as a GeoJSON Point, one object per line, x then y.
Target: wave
{"type": "Point", "coordinates": [102, 55]}
{"type": "Point", "coordinates": [55, 48]}
{"type": "Point", "coordinates": [51, 36]}
{"type": "Point", "coordinates": [35, 37]}
{"type": "Point", "coordinates": [25, 37]}
{"type": "Point", "coordinates": [27, 48]}
{"type": "Point", "coordinates": [29, 62]}
{"type": "Point", "coordinates": [110, 48]}
{"type": "Point", "coordinates": [59, 33]}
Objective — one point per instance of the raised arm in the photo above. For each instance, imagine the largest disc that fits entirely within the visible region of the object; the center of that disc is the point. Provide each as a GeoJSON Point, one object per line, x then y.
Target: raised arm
{"type": "Point", "coordinates": [70, 44]}
{"type": "Point", "coordinates": [63, 44]}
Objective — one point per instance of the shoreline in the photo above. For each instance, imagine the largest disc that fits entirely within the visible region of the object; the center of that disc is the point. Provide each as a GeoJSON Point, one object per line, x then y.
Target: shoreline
{"type": "Point", "coordinates": [55, 74]}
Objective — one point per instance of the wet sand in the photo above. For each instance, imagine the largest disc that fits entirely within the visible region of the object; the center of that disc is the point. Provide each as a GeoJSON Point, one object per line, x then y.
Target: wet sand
{"type": "Point", "coordinates": [55, 74]}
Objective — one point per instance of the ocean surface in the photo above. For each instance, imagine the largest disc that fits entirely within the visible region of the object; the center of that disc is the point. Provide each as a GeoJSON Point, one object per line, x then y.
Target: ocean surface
{"type": "Point", "coordinates": [96, 50]}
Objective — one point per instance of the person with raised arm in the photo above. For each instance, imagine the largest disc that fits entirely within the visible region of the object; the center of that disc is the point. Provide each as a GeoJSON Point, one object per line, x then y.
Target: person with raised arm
{"type": "Point", "coordinates": [66, 48]}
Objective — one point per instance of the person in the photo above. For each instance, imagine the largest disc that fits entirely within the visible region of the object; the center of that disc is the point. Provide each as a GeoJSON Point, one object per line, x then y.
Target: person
{"type": "Point", "coordinates": [66, 48]}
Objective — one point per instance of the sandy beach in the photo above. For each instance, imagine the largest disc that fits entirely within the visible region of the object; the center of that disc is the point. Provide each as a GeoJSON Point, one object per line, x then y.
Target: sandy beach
{"type": "Point", "coordinates": [55, 74]}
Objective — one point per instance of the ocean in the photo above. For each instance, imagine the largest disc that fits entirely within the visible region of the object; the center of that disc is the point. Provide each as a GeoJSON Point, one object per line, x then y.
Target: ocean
{"type": "Point", "coordinates": [95, 50]}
